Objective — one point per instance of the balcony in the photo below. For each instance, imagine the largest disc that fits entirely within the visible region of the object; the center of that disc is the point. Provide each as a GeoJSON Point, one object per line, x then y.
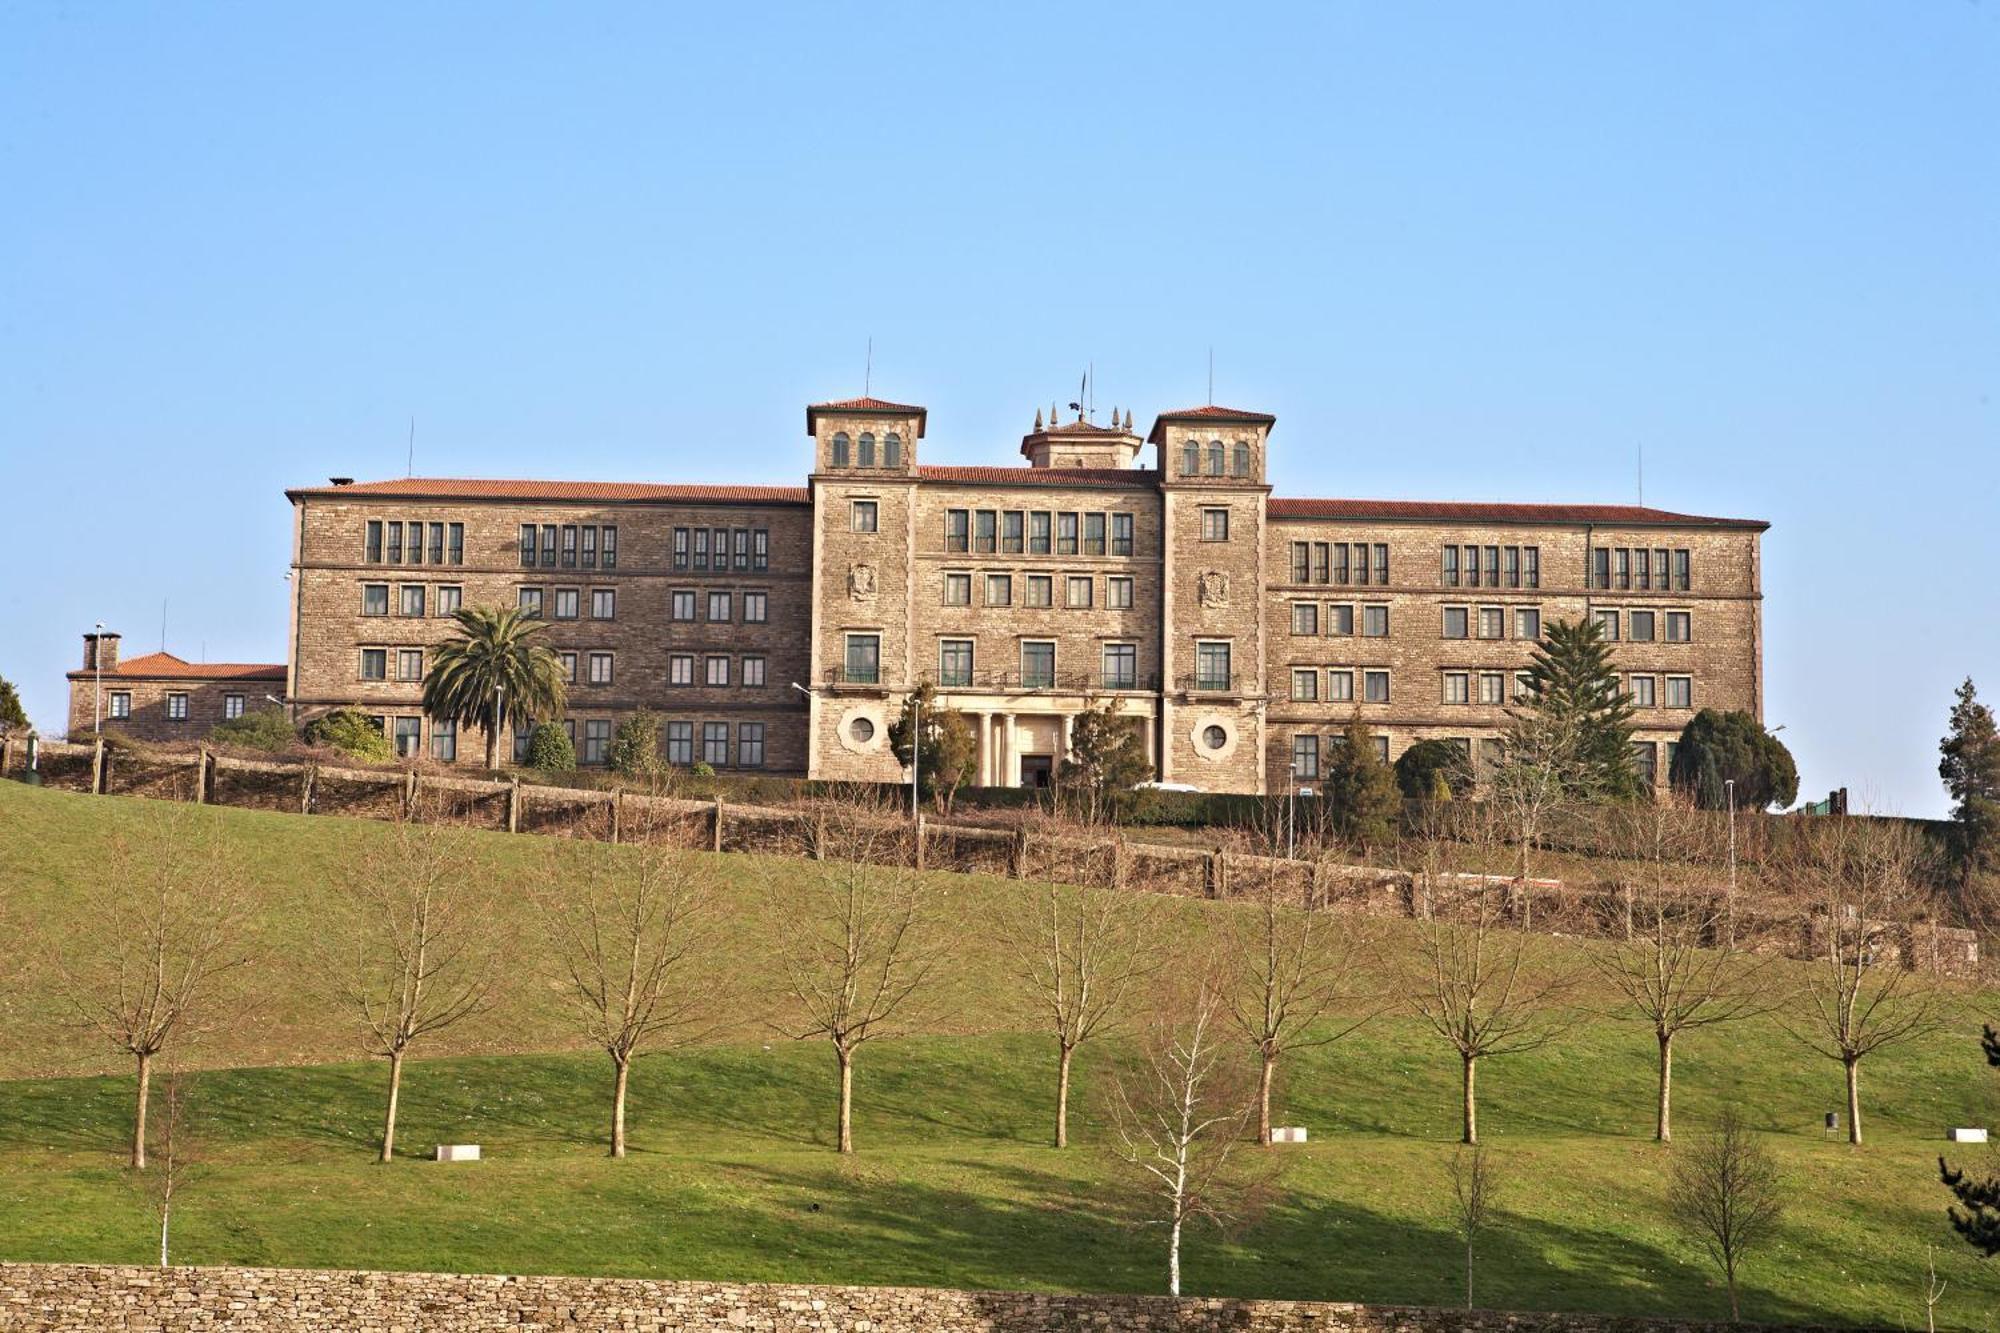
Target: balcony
{"type": "Point", "coordinates": [1209, 682]}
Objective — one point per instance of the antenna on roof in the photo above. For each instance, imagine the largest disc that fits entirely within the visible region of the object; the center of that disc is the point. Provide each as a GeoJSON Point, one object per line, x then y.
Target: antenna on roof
{"type": "Point", "coordinates": [1090, 399]}
{"type": "Point", "coordinates": [868, 371]}
{"type": "Point", "coordinates": [410, 463]}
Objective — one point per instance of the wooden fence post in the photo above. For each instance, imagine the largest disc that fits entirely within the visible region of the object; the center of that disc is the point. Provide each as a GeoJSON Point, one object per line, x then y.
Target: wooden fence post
{"type": "Point", "coordinates": [99, 769]}
{"type": "Point", "coordinates": [715, 828]}
{"type": "Point", "coordinates": [1218, 873]}
{"type": "Point", "coordinates": [201, 775]}
{"type": "Point", "coordinates": [6, 751]}
{"type": "Point", "coordinates": [1017, 861]}
{"type": "Point", "coordinates": [514, 806]}
{"type": "Point", "coordinates": [410, 793]}
{"type": "Point", "coordinates": [918, 853]}
{"type": "Point", "coordinates": [307, 772]}
{"type": "Point", "coordinates": [617, 815]}
{"type": "Point", "coordinates": [1316, 884]}
{"type": "Point", "coordinates": [1119, 868]}
{"type": "Point", "coordinates": [819, 835]}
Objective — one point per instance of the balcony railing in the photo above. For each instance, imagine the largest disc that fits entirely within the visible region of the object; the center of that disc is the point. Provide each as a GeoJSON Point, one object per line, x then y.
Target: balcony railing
{"type": "Point", "coordinates": [1208, 682]}
{"type": "Point", "coordinates": [1014, 682]}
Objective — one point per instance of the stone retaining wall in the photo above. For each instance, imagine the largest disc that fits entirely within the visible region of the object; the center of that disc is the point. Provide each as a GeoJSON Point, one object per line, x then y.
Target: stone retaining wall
{"type": "Point", "coordinates": [73, 1298]}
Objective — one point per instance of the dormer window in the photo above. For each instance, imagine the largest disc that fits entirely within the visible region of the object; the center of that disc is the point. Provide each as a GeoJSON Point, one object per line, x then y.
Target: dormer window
{"type": "Point", "coordinates": [1242, 460]}
{"type": "Point", "coordinates": [1215, 455]}
{"type": "Point", "coordinates": [892, 450]}
{"type": "Point", "coordinates": [840, 448]}
{"type": "Point", "coordinates": [866, 457]}
{"type": "Point", "coordinates": [1191, 458]}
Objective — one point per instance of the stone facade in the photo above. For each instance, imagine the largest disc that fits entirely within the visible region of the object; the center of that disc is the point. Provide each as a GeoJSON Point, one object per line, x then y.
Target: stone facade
{"type": "Point", "coordinates": [1026, 594]}
{"type": "Point", "coordinates": [83, 1298]}
{"type": "Point", "coordinates": [159, 697]}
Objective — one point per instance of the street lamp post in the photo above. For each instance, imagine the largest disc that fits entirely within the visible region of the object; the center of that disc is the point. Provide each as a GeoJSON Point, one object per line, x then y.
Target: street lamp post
{"type": "Point", "coordinates": [1292, 814]}
{"type": "Point", "coordinates": [1729, 798]}
{"type": "Point", "coordinates": [916, 752]}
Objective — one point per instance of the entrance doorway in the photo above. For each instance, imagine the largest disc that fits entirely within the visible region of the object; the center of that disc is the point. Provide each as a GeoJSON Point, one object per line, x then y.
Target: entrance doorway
{"type": "Point", "coordinates": [1037, 771]}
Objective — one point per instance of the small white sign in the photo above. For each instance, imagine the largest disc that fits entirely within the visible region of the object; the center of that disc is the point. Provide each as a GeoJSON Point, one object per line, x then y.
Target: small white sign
{"type": "Point", "coordinates": [458, 1152]}
{"type": "Point", "coordinates": [1965, 1135]}
{"type": "Point", "coordinates": [1288, 1134]}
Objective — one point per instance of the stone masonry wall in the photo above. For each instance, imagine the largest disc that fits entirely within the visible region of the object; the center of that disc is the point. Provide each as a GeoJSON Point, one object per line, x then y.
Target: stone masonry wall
{"type": "Point", "coordinates": [75, 1298]}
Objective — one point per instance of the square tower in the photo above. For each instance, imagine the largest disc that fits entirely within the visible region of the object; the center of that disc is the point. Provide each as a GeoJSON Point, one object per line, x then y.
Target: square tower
{"type": "Point", "coordinates": [865, 437]}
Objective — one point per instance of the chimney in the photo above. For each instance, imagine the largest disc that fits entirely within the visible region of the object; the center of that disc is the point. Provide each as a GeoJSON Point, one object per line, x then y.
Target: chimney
{"type": "Point", "coordinates": [341, 481]}
{"type": "Point", "coordinates": [96, 644]}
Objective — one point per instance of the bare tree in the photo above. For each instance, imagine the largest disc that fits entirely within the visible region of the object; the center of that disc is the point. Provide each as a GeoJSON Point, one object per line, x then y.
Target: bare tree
{"type": "Point", "coordinates": [1933, 1289]}
{"type": "Point", "coordinates": [174, 1156]}
{"type": "Point", "coordinates": [1532, 784]}
{"type": "Point", "coordinates": [625, 935]}
{"type": "Point", "coordinates": [1488, 992]}
{"type": "Point", "coordinates": [1677, 969]}
{"type": "Point", "coordinates": [155, 943]}
{"type": "Point", "coordinates": [1083, 950]}
{"type": "Point", "coordinates": [855, 951]}
{"type": "Point", "coordinates": [1859, 994]}
{"type": "Point", "coordinates": [1179, 1117]}
{"type": "Point", "coordinates": [1475, 1186]}
{"type": "Point", "coordinates": [1725, 1193]}
{"type": "Point", "coordinates": [419, 953]}
{"type": "Point", "coordinates": [1297, 970]}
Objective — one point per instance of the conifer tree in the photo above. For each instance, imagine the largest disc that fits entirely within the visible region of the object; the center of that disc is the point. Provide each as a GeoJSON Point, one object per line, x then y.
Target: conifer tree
{"type": "Point", "coordinates": [1573, 690]}
{"type": "Point", "coordinates": [1970, 767]}
{"type": "Point", "coordinates": [1360, 789]}
{"type": "Point", "coordinates": [1979, 1219]}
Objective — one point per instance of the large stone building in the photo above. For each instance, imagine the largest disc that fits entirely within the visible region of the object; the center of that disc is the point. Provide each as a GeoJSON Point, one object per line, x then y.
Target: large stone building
{"type": "Point", "coordinates": [777, 629]}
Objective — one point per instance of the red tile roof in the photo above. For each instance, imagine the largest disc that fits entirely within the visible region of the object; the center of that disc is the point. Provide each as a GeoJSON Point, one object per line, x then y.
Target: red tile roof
{"type": "Point", "coordinates": [1210, 412]}
{"type": "Point", "coordinates": [1476, 512]}
{"type": "Point", "coordinates": [165, 666]}
{"type": "Point", "coordinates": [869, 407]}
{"type": "Point", "coordinates": [608, 492]}
{"type": "Point", "coordinates": [1043, 476]}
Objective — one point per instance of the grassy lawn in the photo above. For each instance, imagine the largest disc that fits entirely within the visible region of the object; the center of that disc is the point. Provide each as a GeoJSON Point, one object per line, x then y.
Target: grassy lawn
{"type": "Point", "coordinates": [732, 1175]}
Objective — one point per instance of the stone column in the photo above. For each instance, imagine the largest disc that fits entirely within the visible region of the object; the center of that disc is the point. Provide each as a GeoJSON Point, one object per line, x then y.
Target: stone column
{"type": "Point", "coordinates": [1068, 720]}
{"type": "Point", "coordinates": [982, 727]}
{"type": "Point", "coordinates": [1009, 750]}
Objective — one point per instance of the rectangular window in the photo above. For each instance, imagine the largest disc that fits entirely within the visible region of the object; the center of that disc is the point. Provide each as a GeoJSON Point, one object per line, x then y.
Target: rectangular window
{"type": "Point", "coordinates": [739, 549]}
{"type": "Point", "coordinates": [1622, 563]}
{"type": "Point", "coordinates": [1339, 571]}
{"type": "Point", "coordinates": [1077, 591]}
{"type": "Point", "coordinates": [1531, 563]}
{"type": "Point", "coordinates": [374, 599]}
{"type": "Point", "coordinates": [753, 673]}
{"type": "Point", "coordinates": [455, 536]}
{"type": "Point", "coordinates": [528, 544]}
{"type": "Point", "coordinates": [1680, 691]}
{"type": "Point", "coordinates": [716, 671]}
{"type": "Point", "coordinates": [680, 669]}
{"type": "Point", "coordinates": [958, 590]}
{"type": "Point", "coordinates": [955, 662]}
{"type": "Point", "coordinates": [1493, 687]}
{"type": "Point", "coordinates": [374, 663]}
{"type": "Point", "coordinates": [524, 736]}
{"type": "Point", "coordinates": [603, 603]}
{"type": "Point", "coordinates": [701, 548]}
{"type": "Point", "coordinates": [372, 545]}
{"type": "Point", "coordinates": [715, 744]}
{"type": "Point", "coordinates": [719, 608]}
{"type": "Point", "coordinates": [590, 548]}
{"type": "Point", "coordinates": [1038, 665]}
{"type": "Point", "coordinates": [1012, 532]}
{"type": "Point", "coordinates": [1041, 589]}
{"type": "Point", "coordinates": [1121, 534]}
{"type": "Point", "coordinates": [409, 664]}
{"type": "Point", "coordinates": [1065, 534]}
{"type": "Point", "coordinates": [1680, 627]}
{"type": "Point", "coordinates": [1450, 575]}
{"type": "Point", "coordinates": [596, 741]}
{"type": "Point", "coordinates": [1322, 569]}
{"type": "Point", "coordinates": [1492, 622]}
{"type": "Point", "coordinates": [999, 590]}
{"type": "Point", "coordinates": [395, 543]}
{"type": "Point", "coordinates": [863, 518]}
{"type": "Point", "coordinates": [760, 549]}
{"type": "Point", "coordinates": [1093, 534]}
{"type": "Point", "coordinates": [1118, 593]}
{"type": "Point", "coordinates": [1215, 525]}
{"type": "Point", "coordinates": [1340, 686]}
{"type": "Point", "coordinates": [569, 546]}
{"type": "Point", "coordinates": [1457, 687]}
{"type": "Point", "coordinates": [1456, 620]}
{"type": "Point", "coordinates": [1527, 622]}
{"type": "Point", "coordinates": [1643, 573]}
{"type": "Point", "coordinates": [1600, 567]}
{"type": "Point", "coordinates": [600, 668]}
{"type": "Point", "coordinates": [1608, 622]}
{"type": "Point", "coordinates": [409, 736]}
{"type": "Point", "coordinates": [1121, 666]}
{"type": "Point", "coordinates": [1645, 758]}
{"type": "Point", "coordinates": [682, 606]}
{"type": "Point", "coordinates": [548, 545]}
{"type": "Point", "coordinates": [1360, 562]}
{"type": "Point", "coordinates": [1645, 692]}
{"type": "Point", "coordinates": [1211, 666]}
{"type": "Point", "coordinates": [1681, 570]}
{"type": "Point", "coordinates": [1513, 566]}
{"type": "Point", "coordinates": [1641, 627]}
{"type": "Point", "coordinates": [437, 543]}
{"type": "Point", "coordinates": [1381, 562]}
{"type": "Point", "coordinates": [1038, 532]}
{"type": "Point", "coordinates": [568, 660]}
{"type": "Point", "coordinates": [531, 603]}
{"type": "Point", "coordinates": [1374, 622]}
{"type": "Point", "coordinates": [680, 744]}
{"type": "Point", "coordinates": [1305, 757]}
{"type": "Point", "coordinates": [444, 742]}
{"type": "Point", "coordinates": [1305, 685]}
{"type": "Point", "coordinates": [410, 599]}
{"type": "Point", "coordinates": [449, 599]}
{"type": "Point", "coordinates": [567, 600]}
{"type": "Point", "coordinates": [1375, 687]}
{"type": "Point", "coordinates": [985, 531]}
{"type": "Point", "coordinates": [864, 659]}
{"type": "Point", "coordinates": [750, 745]}
{"type": "Point", "coordinates": [1340, 619]}
{"type": "Point", "coordinates": [1491, 565]}
{"type": "Point", "coordinates": [756, 608]}
{"type": "Point", "coordinates": [958, 530]}
{"type": "Point", "coordinates": [232, 705]}
{"type": "Point", "coordinates": [1301, 562]}
{"type": "Point", "coordinates": [1305, 618]}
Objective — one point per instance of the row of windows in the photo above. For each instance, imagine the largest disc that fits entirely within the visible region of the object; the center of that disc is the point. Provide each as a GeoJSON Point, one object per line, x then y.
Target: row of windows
{"type": "Point", "coordinates": [722, 548]}
{"type": "Point", "coordinates": [411, 599]}
{"type": "Point", "coordinates": [1340, 562]}
{"type": "Point", "coordinates": [1337, 684]}
{"type": "Point", "coordinates": [1193, 453]}
{"type": "Point", "coordinates": [574, 547]}
{"type": "Point", "coordinates": [568, 603]}
{"type": "Point", "coordinates": [405, 543]}
{"type": "Point", "coordinates": [1645, 626]}
{"type": "Point", "coordinates": [1037, 532]}
{"type": "Point", "coordinates": [681, 604]}
{"type": "Point", "coordinates": [1656, 569]}
{"type": "Point", "coordinates": [1306, 752]}
{"type": "Point", "coordinates": [1118, 664]}
{"type": "Point", "coordinates": [1492, 566]}
{"type": "Point", "coordinates": [1337, 620]}
{"type": "Point", "coordinates": [1490, 622]}
{"type": "Point", "coordinates": [862, 452]}
{"type": "Point", "coordinates": [1079, 590]}
{"type": "Point", "coordinates": [176, 705]}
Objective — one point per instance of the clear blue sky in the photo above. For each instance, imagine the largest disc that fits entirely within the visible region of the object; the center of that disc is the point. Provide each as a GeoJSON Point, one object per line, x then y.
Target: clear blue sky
{"type": "Point", "coordinates": [1462, 251]}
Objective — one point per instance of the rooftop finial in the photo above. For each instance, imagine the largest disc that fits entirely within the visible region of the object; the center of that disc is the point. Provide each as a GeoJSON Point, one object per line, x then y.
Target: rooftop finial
{"type": "Point", "coordinates": [1038, 421]}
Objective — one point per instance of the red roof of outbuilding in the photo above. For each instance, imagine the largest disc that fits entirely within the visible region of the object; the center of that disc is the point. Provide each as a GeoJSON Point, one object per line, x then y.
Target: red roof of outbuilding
{"type": "Point", "coordinates": [165, 666]}
{"type": "Point", "coordinates": [607, 492]}
{"type": "Point", "coordinates": [1477, 512]}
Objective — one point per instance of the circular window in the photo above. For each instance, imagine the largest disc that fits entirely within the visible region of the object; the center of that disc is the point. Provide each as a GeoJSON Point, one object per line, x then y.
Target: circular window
{"type": "Point", "coordinates": [862, 730]}
{"type": "Point", "coordinates": [1214, 737]}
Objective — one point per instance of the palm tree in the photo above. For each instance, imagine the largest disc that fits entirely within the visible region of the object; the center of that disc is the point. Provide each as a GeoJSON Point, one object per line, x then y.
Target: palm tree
{"type": "Point", "coordinates": [495, 671]}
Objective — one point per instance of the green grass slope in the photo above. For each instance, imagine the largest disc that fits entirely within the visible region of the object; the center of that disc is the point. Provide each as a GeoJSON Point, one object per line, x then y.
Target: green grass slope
{"type": "Point", "coordinates": [732, 1175]}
